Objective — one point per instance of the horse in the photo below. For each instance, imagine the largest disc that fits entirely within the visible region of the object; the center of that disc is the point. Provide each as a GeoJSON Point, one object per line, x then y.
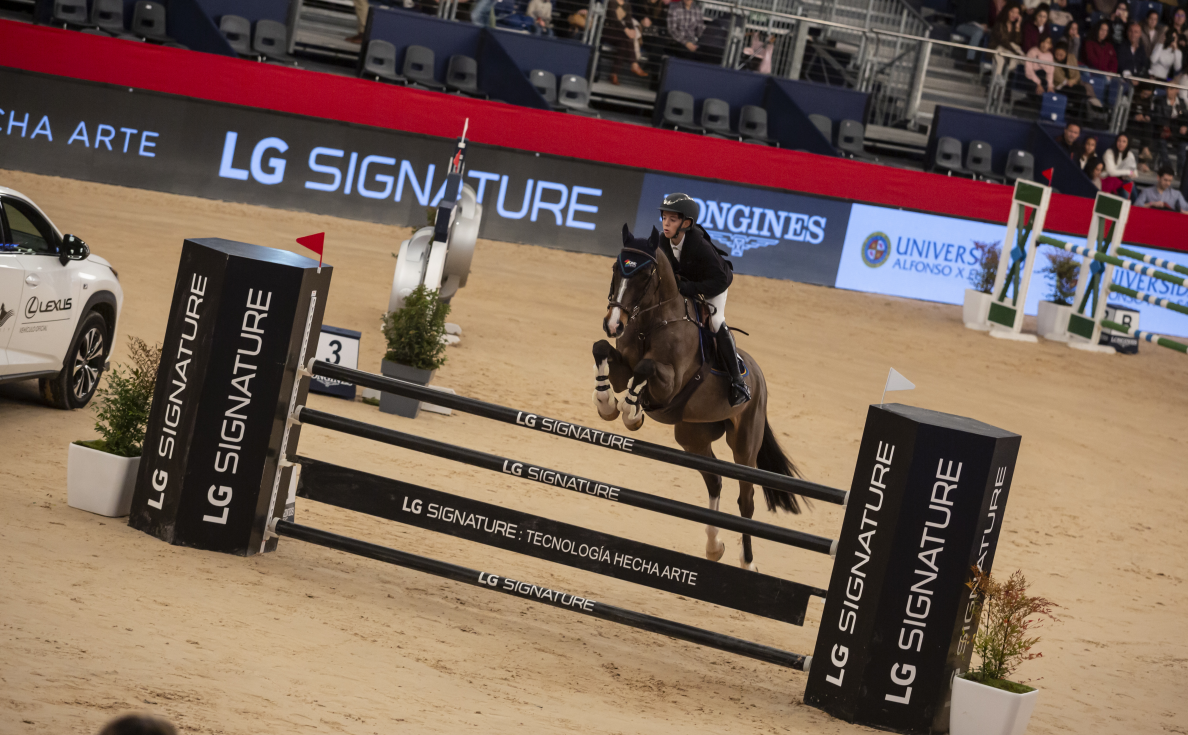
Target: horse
{"type": "Point", "coordinates": [658, 361]}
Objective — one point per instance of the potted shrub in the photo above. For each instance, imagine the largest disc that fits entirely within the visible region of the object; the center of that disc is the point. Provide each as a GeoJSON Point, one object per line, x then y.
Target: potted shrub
{"type": "Point", "coordinates": [985, 700]}
{"type": "Point", "coordinates": [101, 473]}
{"type": "Point", "coordinates": [415, 346]}
{"type": "Point", "coordinates": [981, 277]}
{"type": "Point", "coordinates": [1063, 270]}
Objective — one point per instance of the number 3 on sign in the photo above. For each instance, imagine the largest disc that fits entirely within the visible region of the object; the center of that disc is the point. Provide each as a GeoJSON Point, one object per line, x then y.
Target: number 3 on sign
{"type": "Point", "coordinates": [337, 347]}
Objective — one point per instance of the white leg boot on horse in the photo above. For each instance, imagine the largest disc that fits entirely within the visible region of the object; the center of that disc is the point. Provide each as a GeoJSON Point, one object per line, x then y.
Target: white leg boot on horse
{"type": "Point", "coordinates": [633, 415]}
{"type": "Point", "coordinates": [605, 400]}
{"type": "Point", "coordinates": [714, 548]}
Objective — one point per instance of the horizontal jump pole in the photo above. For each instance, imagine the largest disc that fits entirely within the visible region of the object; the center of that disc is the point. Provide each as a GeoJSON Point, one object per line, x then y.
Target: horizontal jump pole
{"type": "Point", "coordinates": [543, 595]}
{"type": "Point", "coordinates": [1148, 298]}
{"type": "Point", "coordinates": [1142, 270]}
{"type": "Point", "coordinates": [546, 476]}
{"type": "Point", "coordinates": [1140, 334]}
{"type": "Point", "coordinates": [585, 434]}
{"type": "Point", "coordinates": [1166, 265]}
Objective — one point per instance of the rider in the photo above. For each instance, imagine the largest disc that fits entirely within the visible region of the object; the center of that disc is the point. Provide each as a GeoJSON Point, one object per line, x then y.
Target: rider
{"type": "Point", "coordinates": [702, 270]}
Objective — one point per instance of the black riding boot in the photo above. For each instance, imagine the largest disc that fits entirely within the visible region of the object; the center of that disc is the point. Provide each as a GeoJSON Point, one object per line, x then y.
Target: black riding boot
{"type": "Point", "coordinates": [739, 392]}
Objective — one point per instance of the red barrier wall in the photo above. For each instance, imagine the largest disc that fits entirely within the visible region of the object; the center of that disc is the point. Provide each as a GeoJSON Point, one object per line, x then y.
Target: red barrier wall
{"type": "Point", "coordinates": [248, 83]}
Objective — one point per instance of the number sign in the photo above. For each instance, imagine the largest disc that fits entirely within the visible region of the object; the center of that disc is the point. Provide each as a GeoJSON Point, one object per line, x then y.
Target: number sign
{"type": "Point", "coordinates": [340, 347]}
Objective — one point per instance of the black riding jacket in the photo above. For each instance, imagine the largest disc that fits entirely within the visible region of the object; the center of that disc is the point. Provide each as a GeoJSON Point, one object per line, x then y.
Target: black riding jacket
{"type": "Point", "coordinates": [703, 268]}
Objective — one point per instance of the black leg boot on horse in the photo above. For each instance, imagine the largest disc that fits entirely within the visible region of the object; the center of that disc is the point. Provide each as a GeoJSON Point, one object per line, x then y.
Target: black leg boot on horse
{"type": "Point", "coordinates": [728, 352]}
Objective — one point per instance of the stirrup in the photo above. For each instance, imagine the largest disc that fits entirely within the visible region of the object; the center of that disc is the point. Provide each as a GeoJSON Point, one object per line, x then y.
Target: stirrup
{"type": "Point", "coordinates": [739, 394]}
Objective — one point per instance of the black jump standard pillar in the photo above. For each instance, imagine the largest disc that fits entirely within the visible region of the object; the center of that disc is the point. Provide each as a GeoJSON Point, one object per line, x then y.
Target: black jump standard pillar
{"type": "Point", "coordinates": [244, 319]}
{"type": "Point", "coordinates": [925, 506]}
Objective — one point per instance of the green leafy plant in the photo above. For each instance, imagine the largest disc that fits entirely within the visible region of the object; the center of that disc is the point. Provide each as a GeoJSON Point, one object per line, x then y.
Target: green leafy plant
{"type": "Point", "coordinates": [1063, 269]}
{"type": "Point", "coordinates": [1008, 618]}
{"type": "Point", "coordinates": [123, 404]}
{"type": "Point", "coordinates": [415, 332]}
{"type": "Point", "coordinates": [981, 275]}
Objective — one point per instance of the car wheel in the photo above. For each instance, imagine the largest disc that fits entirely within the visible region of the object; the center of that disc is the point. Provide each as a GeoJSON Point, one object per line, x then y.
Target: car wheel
{"type": "Point", "coordinates": [74, 386]}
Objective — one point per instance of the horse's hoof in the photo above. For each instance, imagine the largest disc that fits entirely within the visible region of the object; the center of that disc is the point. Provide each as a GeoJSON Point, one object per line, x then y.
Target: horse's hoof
{"type": "Point", "coordinates": [602, 407]}
{"type": "Point", "coordinates": [714, 554]}
{"type": "Point", "coordinates": [632, 425]}
{"type": "Point", "coordinates": [750, 566]}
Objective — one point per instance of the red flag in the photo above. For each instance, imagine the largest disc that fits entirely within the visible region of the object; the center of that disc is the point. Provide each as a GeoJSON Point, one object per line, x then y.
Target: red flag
{"type": "Point", "coordinates": [1128, 187]}
{"type": "Point", "coordinates": [314, 243]}
{"type": "Point", "coordinates": [1048, 175]}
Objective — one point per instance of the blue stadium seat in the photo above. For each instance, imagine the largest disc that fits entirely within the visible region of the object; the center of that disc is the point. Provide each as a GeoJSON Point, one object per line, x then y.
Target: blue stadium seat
{"type": "Point", "coordinates": [418, 68]}
{"type": "Point", "coordinates": [1052, 108]}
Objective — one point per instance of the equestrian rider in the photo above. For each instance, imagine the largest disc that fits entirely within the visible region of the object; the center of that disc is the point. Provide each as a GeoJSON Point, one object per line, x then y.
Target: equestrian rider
{"type": "Point", "coordinates": [702, 271]}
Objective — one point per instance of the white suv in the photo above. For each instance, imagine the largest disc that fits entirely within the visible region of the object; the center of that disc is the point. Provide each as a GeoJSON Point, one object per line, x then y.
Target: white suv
{"type": "Point", "coordinates": [58, 305]}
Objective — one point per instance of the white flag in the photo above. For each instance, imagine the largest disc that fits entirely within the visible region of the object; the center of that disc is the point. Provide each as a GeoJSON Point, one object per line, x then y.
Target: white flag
{"type": "Point", "coordinates": [895, 381]}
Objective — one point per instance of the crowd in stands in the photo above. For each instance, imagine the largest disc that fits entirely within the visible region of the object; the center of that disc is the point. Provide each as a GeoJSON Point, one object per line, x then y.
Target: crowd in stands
{"type": "Point", "coordinates": [1099, 36]}
{"type": "Point", "coordinates": [633, 32]}
{"type": "Point", "coordinates": [1114, 167]}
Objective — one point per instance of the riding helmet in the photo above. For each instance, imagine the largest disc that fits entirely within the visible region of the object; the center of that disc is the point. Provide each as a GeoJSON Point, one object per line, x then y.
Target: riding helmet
{"type": "Point", "coordinates": [682, 204]}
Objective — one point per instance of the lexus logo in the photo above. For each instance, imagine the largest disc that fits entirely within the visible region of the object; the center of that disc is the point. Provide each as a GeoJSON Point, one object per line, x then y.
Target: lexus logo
{"type": "Point", "coordinates": [35, 306]}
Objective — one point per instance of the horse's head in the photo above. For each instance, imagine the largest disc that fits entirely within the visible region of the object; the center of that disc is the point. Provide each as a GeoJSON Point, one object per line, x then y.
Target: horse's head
{"type": "Point", "coordinates": [634, 278]}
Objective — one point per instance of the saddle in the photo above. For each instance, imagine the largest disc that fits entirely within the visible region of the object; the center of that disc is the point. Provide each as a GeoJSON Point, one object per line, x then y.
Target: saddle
{"type": "Point", "coordinates": [710, 364]}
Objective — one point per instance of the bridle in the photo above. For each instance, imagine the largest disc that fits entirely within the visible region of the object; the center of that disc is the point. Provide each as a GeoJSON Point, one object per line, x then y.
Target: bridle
{"type": "Point", "coordinates": [653, 283]}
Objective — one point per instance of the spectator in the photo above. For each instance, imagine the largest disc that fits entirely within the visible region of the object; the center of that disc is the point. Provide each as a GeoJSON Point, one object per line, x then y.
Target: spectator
{"type": "Point", "coordinates": [138, 725]}
{"type": "Point", "coordinates": [1141, 110]}
{"type": "Point", "coordinates": [1179, 24]}
{"type": "Point", "coordinates": [1040, 74]}
{"type": "Point", "coordinates": [1152, 31]}
{"type": "Point", "coordinates": [623, 34]}
{"type": "Point", "coordinates": [757, 55]}
{"type": "Point", "coordinates": [1068, 139]}
{"type": "Point", "coordinates": [577, 22]}
{"type": "Point", "coordinates": [996, 9]}
{"type": "Point", "coordinates": [1094, 169]}
{"type": "Point", "coordinates": [1059, 14]}
{"type": "Point", "coordinates": [1105, 7]}
{"type": "Point", "coordinates": [480, 12]}
{"type": "Point", "coordinates": [1162, 195]}
{"type": "Point", "coordinates": [1097, 52]}
{"type": "Point", "coordinates": [1166, 59]}
{"type": "Point", "coordinates": [1068, 81]}
{"type": "Point", "coordinates": [1119, 163]}
{"type": "Point", "coordinates": [652, 13]}
{"type": "Point", "coordinates": [1007, 36]}
{"type": "Point", "coordinates": [1132, 60]}
{"type": "Point", "coordinates": [1072, 37]}
{"type": "Point", "coordinates": [1036, 28]}
{"type": "Point", "coordinates": [685, 25]}
{"type": "Point", "coordinates": [361, 10]}
{"type": "Point", "coordinates": [541, 13]}
{"type": "Point", "coordinates": [1085, 152]}
{"type": "Point", "coordinates": [1119, 22]}
{"type": "Point", "coordinates": [970, 19]}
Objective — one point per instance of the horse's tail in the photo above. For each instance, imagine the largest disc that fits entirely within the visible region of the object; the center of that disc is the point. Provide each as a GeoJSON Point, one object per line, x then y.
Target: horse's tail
{"type": "Point", "coordinates": [773, 459]}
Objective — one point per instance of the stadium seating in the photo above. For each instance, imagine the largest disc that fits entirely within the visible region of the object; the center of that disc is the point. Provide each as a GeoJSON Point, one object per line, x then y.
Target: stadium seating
{"type": "Point", "coordinates": [545, 82]}
{"type": "Point", "coordinates": [379, 63]}
{"type": "Point", "coordinates": [418, 68]}
{"type": "Point", "coordinates": [271, 42]}
{"type": "Point", "coordinates": [948, 156]}
{"type": "Point", "coordinates": [824, 124]}
{"type": "Point", "coordinates": [573, 94]}
{"type": "Point", "coordinates": [1020, 165]}
{"type": "Point", "coordinates": [978, 160]}
{"type": "Point", "coordinates": [462, 76]}
{"type": "Point", "coordinates": [677, 112]}
{"type": "Point", "coordinates": [752, 125]}
{"type": "Point", "coordinates": [238, 32]}
{"type": "Point", "coordinates": [851, 139]}
{"type": "Point", "coordinates": [715, 118]}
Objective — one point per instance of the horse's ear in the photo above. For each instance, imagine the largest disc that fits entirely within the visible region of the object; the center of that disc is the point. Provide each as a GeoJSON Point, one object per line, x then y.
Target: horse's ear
{"type": "Point", "coordinates": [627, 236]}
{"type": "Point", "coordinates": [654, 238]}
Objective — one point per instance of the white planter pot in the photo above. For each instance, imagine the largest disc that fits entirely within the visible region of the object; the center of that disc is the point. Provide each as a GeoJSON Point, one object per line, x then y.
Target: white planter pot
{"type": "Point", "coordinates": [975, 310]}
{"type": "Point", "coordinates": [978, 709]}
{"type": "Point", "coordinates": [98, 482]}
{"type": "Point", "coordinates": [1052, 321]}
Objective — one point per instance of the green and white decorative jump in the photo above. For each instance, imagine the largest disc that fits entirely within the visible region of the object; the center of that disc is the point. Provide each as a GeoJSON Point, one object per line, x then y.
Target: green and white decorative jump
{"type": "Point", "coordinates": [1004, 315]}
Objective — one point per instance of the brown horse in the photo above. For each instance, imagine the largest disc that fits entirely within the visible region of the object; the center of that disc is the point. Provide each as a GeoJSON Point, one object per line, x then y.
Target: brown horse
{"type": "Point", "coordinates": [658, 360]}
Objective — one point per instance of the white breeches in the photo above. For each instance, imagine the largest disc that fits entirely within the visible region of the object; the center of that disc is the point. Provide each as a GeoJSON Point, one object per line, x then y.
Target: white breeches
{"type": "Point", "coordinates": [717, 311]}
